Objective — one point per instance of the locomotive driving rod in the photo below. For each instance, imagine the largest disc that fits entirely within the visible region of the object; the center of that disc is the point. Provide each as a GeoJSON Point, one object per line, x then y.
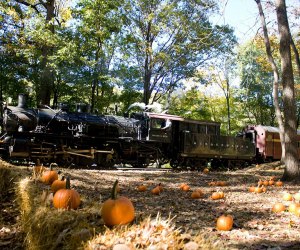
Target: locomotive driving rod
{"type": "Point", "coordinates": [80, 152]}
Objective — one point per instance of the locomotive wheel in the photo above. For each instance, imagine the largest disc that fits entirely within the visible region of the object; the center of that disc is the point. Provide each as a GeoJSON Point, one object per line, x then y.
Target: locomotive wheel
{"type": "Point", "coordinates": [161, 161]}
{"type": "Point", "coordinates": [174, 164]}
{"type": "Point", "coordinates": [107, 161]}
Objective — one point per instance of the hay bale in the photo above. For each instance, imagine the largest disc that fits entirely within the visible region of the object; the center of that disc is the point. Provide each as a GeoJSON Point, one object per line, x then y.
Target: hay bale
{"type": "Point", "coordinates": [49, 228]}
{"type": "Point", "coordinates": [9, 174]}
{"type": "Point", "coordinates": [152, 234]}
{"type": "Point", "coordinates": [6, 177]}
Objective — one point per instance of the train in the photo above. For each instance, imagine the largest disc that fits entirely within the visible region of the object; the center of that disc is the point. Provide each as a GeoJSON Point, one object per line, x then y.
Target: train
{"type": "Point", "coordinates": [138, 139]}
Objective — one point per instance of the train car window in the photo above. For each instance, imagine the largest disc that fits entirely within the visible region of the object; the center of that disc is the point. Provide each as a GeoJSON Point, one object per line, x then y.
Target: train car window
{"type": "Point", "coordinates": [158, 123]}
{"type": "Point", "coordinates": [218, 130]}
{"type": "Point", "coordinates": [201, 129]}
{"type": "Point", "coordinates": [193, 127]}
{"type": "Point", "coordinates": [211, 130]}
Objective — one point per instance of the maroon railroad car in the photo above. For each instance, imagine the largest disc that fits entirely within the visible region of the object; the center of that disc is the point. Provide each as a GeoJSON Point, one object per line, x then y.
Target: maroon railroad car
{"type": "Point", "coordinates": [266, 140]}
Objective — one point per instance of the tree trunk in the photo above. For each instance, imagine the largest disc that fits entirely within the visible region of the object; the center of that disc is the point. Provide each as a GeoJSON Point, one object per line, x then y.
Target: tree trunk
{"type": "Point", "coordinates": [94, 86]}
{"type": "Point", "coordinates": [148, 65]}
{"type": "Point", "coordinates": [276, 79]}
{"type": "Point", "coordinates": [147, 79]}
{"type": "Point", "coordinates": [47, 77]}
{"type": "Point", "coordinates": [289, 108]}
{"type": "Point", "coordinates": [228, 105]}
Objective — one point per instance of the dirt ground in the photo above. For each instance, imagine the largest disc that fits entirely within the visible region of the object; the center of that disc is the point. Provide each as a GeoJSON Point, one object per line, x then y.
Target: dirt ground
{"type": "Point", "coordinates": [255, 225]}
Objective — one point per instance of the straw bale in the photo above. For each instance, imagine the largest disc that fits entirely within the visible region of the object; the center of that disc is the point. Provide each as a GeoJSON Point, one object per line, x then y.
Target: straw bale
{"type": "Point", "coordinates": [8, 176]}
{"type": "Point", "coordinates": [50, 228]}
{"type": "Point", "coordinates": [151, 234]}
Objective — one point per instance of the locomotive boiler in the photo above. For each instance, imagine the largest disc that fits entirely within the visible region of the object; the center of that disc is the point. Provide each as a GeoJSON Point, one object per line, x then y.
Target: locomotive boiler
{"type": "Point", "coordinates": [139, 138]}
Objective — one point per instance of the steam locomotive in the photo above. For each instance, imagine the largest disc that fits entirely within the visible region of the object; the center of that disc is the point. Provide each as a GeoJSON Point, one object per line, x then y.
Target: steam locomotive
{"type": "Point", "coordinates": [138, 138]}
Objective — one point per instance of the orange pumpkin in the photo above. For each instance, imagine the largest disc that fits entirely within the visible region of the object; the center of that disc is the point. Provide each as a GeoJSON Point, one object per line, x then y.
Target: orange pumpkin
{"type": "Point", "coordinates": [293, 206]}
{"type": "Point", "coordinates": [287, 197]}
{"type": "Point", "coordinates": [258, 190]}
{"type": "Point", "coordinates": [271, 182]}
{"type": "Point", "coordinates": [156, 190]}
{"type": "Point", "coordinates": [66, 198]}
{"type": "Point", "coordinates": [186, 188]}
{"type": "Point", "coordinates": [196, 195]}
{"type": "Point", "coordinates": [222, 183]}
{"type": "Point", "coordinates": [297, 211]}
{"type": "Point", "coordinates": [222, 195]}
{"type": "Point", "coordinates": [278, 207]}
{"type": "Point", "coordinates": [58, 184]}
{"type": "Point", "coordinates": [279, 183]}
{"type": "Point", "coordinates": [297, 196]}
{"type": "Point", "coordinates": [225, 223]}
{"type": "Point", "coordinates": [217, 195]}
{"type": "Point", "coordinates": [205, 170]}
{"type": "Point", "coordinates": [200, 191]}
{"type": "Point", "coordinates": [142, 188]}
{"type": "Point", "coordinates": [160, 187]}
{"type": "Point", "coordinates": [117, 210]}
{"type": "Point", "coordinates": [251, 189]}
{"type": "Point", "coordinates": [265, 182]}
{"type": "Point", "coordinates": [49, 176]}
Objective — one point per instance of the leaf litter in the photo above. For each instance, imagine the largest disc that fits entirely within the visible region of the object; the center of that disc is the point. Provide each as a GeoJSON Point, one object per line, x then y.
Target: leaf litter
{"type": "Point", "coordinates": [255, 226]}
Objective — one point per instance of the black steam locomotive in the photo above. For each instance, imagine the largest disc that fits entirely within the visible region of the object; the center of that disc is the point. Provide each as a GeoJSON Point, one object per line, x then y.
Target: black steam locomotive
{"type": "Point", "coordinates": [138, 139]}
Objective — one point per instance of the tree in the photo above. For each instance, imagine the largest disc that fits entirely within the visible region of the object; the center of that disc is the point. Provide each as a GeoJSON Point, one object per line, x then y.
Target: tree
{"type": "Point", "coordinates": [35, 22]}
{"type": "Point", "coordinates": [46, 80]}
{"type": "Point", "coordinates": [169, 40]}
{"type": "Point", "coordinates": [98, 25]}
{"type": "Point", "coordinates": [292, 170]}
{"type": "Point", "coordinates": [219, 76]}
{"type": "Point", "coordinates": [256, 81]}
{"type": "Point", "coordinates": [191, 104]}
{"type": "Point", "coordinates": [287, 123]}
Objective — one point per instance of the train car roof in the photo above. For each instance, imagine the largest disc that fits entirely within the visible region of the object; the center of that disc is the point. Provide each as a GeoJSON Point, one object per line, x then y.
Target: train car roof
{"type": "Point", "coordinates": [272, 129]}
{"type": "Point", "coordinates": [179, 118]}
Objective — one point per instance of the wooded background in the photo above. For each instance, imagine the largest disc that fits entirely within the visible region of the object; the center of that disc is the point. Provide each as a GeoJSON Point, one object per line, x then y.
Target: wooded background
{"type": "Point", "coordinates": [113, 53]}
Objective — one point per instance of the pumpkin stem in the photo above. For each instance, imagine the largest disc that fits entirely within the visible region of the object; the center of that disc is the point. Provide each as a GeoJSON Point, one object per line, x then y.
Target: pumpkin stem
{"type": "Point", "coordinates": [114, 190]}
{"type": "Point", "coordinates": [68, 184]}
{"type": "Point", "coordinates": [52, 165]}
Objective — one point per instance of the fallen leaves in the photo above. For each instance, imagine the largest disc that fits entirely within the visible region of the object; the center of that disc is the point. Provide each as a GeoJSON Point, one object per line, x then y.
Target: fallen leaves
{"type": "Point", "coordinates": [255, 226]}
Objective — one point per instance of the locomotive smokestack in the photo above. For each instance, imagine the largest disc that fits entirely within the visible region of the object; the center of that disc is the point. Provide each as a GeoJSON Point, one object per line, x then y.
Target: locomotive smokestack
{"type": "Point", "coordinates": [22, 98]}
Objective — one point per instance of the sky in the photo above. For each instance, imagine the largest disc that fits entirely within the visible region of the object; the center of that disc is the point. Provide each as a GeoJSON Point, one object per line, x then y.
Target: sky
{"type": "Point", "coordinates": [243, 16]}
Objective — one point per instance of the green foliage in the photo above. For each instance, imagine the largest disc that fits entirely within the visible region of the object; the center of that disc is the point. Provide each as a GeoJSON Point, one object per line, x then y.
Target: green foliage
{"type": "Point", "coordinates": [256, 82]}
{"type": "Point", "coordinates": [191, 104]}
{"type": "Point", "coordinates": [120, 52]}
{"type": "Point", "coordinates": [168, 40]}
